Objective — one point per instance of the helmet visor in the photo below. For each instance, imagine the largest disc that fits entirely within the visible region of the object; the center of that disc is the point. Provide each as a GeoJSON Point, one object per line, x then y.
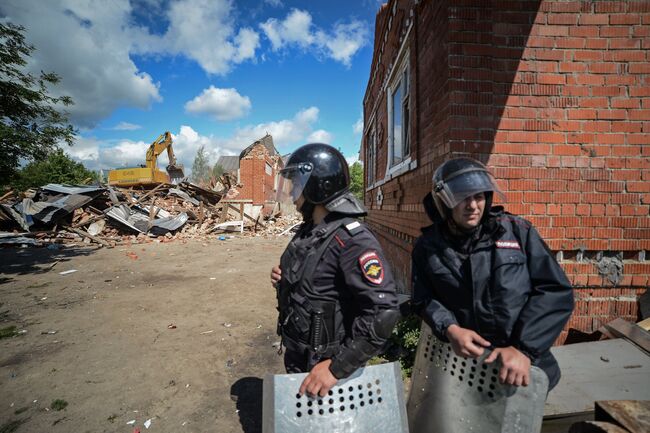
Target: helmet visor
{"type": "Point", "coordinates": [292, 181]}
{"type": "Point", "coordinates": [465, 184]}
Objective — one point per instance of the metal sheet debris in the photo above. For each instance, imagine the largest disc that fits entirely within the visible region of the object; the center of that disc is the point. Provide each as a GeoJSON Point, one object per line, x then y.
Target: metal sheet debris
{"type": "Point", "coordinates": [58, 214]}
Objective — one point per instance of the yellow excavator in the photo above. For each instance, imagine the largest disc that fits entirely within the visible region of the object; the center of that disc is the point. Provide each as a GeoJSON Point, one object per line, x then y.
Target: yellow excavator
{"type": "Point", "coordinates": [149, 174]}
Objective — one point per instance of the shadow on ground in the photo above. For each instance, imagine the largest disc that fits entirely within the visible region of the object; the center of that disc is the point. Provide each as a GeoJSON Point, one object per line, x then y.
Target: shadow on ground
{"type": "Point", "coordinates": [247, 392]}
{"type": "Point", "coordinates": [21, 261]}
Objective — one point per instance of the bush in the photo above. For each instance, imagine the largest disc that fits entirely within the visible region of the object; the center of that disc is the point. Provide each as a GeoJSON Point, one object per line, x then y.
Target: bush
{"type": "Point", "coordinates": [402, 345]}
{"type": "Point", "coordinates": [55, 168]}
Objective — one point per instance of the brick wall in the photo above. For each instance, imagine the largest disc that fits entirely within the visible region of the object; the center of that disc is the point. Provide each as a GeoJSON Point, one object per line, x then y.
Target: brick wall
{"type": "Point", "coordinates": [555, 97]}
{"type": "Point", "coordinates": [257, 185]}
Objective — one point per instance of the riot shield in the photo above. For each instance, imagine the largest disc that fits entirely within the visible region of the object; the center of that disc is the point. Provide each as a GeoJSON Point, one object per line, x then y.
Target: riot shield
{"type": "Point", "coordinates": [370, 400]}
{"type": "Point", "coordinates": [452, 394]}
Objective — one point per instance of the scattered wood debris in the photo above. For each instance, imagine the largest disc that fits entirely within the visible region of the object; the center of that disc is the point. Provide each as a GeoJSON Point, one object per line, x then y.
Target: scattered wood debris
{"type": "Point", "coordinates": [107, 216]}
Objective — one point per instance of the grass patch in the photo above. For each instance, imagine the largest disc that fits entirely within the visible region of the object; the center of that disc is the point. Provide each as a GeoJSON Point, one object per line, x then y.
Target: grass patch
{"type": "Point", "coordinates": [58, 404]}
{"type": "Point", "coordinates": [11, 426]}
{"type": "Point", "coordinates": [21, 410]}
{"type": "Point", "coordinates": [8, 332]}
{"type": "Point", "coordinates": [112, 418]}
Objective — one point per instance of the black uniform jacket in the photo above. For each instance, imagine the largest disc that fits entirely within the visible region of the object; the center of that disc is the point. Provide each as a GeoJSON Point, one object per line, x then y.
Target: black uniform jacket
{"type": "Point", "coordinates": [353, 274]}
{"type": "Point", "coordinates": [506, 286]}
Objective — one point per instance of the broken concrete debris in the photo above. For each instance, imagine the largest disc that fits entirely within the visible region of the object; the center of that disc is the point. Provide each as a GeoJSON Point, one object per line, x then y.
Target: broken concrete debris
{"type": "Point", "coordinates": [58, 214]}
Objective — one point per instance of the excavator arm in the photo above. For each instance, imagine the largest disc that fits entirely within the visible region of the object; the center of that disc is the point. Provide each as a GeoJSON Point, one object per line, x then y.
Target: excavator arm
{"type": "Point", "coordinates": [160, 144]}
{"type": "Point", "coordinates": [149, 174]}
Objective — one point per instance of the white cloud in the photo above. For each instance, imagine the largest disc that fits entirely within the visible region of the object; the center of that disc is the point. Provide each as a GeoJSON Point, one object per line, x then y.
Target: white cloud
{"type": "Point", "coordinates": [220, 104]}
{"type": "Point", "coordinates": [274, 3]}
{"type": "Point", "coordinates": [284, 132]}
{"type": "Point", "coordinates": [96, 154]}
{"type": "Point", "coordinates": [320, 136]}
{"type": "Point", "coordinates": [85, 150]}
{"type": "Point", "coordinates": [203, 30]}
{"type": "Point", "coordinates": [352, 159]}
{"type": "Point", "coordinates": [357, 128]}
{"type": "Point", "coordinates": [344, 41]}
{"type": "Point", "coordinates": [87, 46]}
{"type": "Point", "coordinates": [340, 44]}
{"type": "Point", "coordinates": [295, 29]}
{"type": "Point", "coordinates": [126, 126]}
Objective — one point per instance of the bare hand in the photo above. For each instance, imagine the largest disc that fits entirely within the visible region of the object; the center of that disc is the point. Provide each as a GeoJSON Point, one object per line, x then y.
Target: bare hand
{"type": "Point", "coordinates": [319, 380]}
{"type": "Point", "coordinates": [276, 274]}
{"type": "Point", "coordinates": [516, 366]}
{"type": "Point", "coordinates": [466, 342]}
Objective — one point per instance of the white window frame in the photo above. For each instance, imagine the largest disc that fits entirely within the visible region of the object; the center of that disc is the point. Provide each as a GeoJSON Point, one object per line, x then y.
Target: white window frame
{"type": "Point", "coordinates": [400, 77]}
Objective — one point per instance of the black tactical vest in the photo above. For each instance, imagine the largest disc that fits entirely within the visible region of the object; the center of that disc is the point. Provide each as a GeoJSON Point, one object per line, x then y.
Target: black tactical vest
{"type": "Point", "coordinates": [308, 323]}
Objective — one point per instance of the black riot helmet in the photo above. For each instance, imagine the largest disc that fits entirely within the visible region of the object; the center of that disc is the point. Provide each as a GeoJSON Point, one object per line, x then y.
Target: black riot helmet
{"type": "Point", "coordinates": [459, 178]}
{"type": "Point", "coordinates": [317, 171]}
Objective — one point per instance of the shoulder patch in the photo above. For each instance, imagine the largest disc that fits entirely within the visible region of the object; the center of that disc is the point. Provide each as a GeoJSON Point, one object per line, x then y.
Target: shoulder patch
{"type": "Point", "coordinates": [512, 245]}
{"type": "Point", "coordinates": [353, 228]}
{"type": "Point", "coordinates": [371, 267]}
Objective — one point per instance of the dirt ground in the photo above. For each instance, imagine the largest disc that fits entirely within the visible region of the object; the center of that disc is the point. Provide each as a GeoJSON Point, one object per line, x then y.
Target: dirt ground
{"type": "Point", "coordinates": [178, 333]}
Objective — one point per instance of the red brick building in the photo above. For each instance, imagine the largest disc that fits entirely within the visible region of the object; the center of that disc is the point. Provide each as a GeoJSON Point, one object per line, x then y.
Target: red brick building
{"type": "Point", "coordinates": [256, 169]}
{"type": "Point", "coordinates": [554, 96]}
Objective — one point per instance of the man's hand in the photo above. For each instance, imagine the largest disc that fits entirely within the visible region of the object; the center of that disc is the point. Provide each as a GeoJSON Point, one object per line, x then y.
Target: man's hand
{"type": "Point", "coordinates": [319, 380]}
{"type": "Point", "coordinates": [516, 366]}
{"type": "Point", "coordinates": [276, 274]}
{"type": "Point", "coordinates": [466, 342]}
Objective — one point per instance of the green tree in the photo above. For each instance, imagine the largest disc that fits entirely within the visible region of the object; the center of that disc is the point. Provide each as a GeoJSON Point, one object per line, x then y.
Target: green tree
{"type": "Point", "coordinates": [200, 167]}
{"type": "Point", "coordinates": [57, 167]}
{"type": "Point", "coordinates": [356, 180]}
{"type": "Point", "coordinates": [31, 121]}
{"type": "Point", "coordinates": [218, 170]}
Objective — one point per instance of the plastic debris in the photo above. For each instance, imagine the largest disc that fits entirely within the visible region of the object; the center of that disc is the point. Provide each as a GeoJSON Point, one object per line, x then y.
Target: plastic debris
{"type": "Point", "coordinates": [69, 271]}
{"type": "Point", "coordinates": [132, 422]}
{"type": "Point", "coordinates": [147, 423]}
{"type": "Point", "coordinates": [171, 326]}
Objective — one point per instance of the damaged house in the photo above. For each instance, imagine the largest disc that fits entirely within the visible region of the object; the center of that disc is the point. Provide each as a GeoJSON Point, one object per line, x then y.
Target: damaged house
{"type": "Point", "coordinates": [553, 96]}
{"type": "Point", "coordinates": [256, 170]}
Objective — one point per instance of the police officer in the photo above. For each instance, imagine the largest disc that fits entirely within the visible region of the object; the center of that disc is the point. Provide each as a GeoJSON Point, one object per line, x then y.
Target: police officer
{"type": "Point", "coordinates": [336, 294]}
{"type": "Point", "coordinates": [483, 278]}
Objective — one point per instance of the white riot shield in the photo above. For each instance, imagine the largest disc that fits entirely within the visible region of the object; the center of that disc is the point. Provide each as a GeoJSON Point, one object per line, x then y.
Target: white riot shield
{"type": "Point", "coordinates": [369, 401]}
{"type": "Point", "coordinates": [452, 394]}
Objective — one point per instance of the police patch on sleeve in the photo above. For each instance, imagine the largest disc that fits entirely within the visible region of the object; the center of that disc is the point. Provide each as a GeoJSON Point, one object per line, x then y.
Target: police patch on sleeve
{"type": "Point", "coordinates": [371, 267]}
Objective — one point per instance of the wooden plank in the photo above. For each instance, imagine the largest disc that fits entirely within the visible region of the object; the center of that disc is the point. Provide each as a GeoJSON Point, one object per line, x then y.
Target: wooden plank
{"type": "Point", "coordinates": [645, 324]}
{"type": "Point", "coordinates": [633, 415]}
{"type": "Point", "coordinates": [89, 236]}
{"type": "Point", "coordinates": [636, 334]}
{"type": "Point", "coordinates": [223, 216]}
{"type": "Point", "coordinates": [7, 195]}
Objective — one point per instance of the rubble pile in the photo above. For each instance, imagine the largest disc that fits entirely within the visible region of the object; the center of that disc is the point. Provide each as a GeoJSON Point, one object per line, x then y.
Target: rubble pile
{"type": "Point", "coordinates": [109, 216]}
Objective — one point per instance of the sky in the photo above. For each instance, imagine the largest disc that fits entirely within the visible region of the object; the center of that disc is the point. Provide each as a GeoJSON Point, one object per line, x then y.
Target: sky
{"type": "Point", "coordinates": [215, 73]}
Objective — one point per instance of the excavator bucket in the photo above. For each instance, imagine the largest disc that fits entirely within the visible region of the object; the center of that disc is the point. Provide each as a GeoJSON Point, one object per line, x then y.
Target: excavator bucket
{"type": "Point", "coordinates": [176, 173]}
